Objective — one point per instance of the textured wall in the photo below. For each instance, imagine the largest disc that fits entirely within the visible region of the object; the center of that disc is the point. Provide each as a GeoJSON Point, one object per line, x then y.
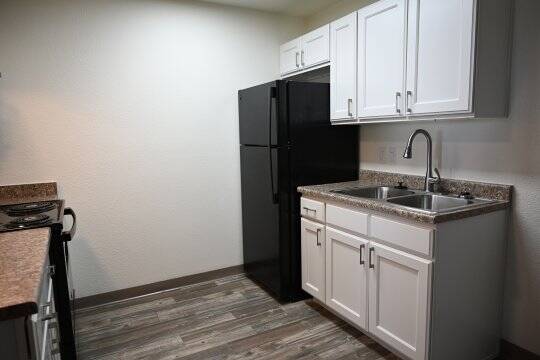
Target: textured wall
{"type": "Point", "coordinates": [132, 107]}
{"type": "Point", "coordinates": [493, 150]}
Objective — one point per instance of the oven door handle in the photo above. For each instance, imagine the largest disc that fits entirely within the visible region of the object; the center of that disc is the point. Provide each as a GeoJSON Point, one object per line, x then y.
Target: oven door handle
{"type": "Point", "coordinates": [68, 235]}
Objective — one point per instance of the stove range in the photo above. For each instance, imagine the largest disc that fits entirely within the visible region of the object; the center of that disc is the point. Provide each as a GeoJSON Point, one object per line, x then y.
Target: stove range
{"type": "Point", "coordinates": [51, 214]}
{"type": "Point", "coordinates": [31, 215]}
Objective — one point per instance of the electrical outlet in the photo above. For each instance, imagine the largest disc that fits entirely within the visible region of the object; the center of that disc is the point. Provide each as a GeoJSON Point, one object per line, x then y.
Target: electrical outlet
{"type": "Point", "coordinates": [392, 154]}
{"type": "Point", "coordinates": [381, 151]}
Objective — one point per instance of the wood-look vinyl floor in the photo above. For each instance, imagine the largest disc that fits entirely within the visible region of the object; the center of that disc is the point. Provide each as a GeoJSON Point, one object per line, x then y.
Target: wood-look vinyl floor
{"type": "Point", "coordinates": [228, 318]}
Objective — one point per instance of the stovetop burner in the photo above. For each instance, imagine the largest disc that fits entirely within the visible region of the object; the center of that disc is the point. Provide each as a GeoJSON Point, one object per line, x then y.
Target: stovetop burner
{"type": "Point", "coordinates": [29, 221]}
{"type": "Point", "coordinates": [30, 215]}
{"type": "Point", "coordinates": [30, 208]}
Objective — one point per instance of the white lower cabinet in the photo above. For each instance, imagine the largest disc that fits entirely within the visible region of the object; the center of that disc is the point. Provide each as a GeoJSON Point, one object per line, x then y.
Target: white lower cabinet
{"type": "Point", "coordinates": [346, 276]}
{"type": "Point", "coordinates": [420, 289]}
{"type": "Point", "coordinates": [313, 259]}
{"type": "Point", "coordinates": [399, 289]}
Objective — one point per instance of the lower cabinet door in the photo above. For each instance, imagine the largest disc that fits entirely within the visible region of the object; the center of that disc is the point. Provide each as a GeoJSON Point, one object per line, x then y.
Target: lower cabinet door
{"type": "Point", "coordinates": [399, 295]}
{"type": "Point", "coordinates": [346, 276]}
{"type": "Point", "coordinates": [313, 259]}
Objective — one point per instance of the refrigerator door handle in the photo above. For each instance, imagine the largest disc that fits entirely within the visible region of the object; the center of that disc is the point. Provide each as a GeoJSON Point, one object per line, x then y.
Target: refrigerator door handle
{"type": "Point", "coordinates": [272, 95]}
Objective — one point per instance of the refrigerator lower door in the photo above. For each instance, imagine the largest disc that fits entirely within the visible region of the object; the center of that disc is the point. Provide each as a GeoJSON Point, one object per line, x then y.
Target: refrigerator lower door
{"type": "Point", "coordinates": [261, 215]}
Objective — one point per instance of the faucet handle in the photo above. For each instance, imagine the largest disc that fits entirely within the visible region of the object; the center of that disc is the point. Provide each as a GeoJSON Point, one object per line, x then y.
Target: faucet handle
{"type": "Point", "coordinates": [437, 178]}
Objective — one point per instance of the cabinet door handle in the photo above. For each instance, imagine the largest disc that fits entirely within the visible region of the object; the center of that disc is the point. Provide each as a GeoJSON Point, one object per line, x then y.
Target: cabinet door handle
{"type": "Point", "coordinates": [48, 317]}
{"type": "Point", "coordinates": [362, 262]}
{"type": "Point", "coordinates": [318, 242]}
{"type": "Point", "coordinates": [302, 58]}
{"type": "Point", "coordinates": [349, 106]}
{"type": "Point", "coordinates": [409, 95]}
{"type": "Point", "coordinates": [308, 210]}
{"type": "Point", "coordinates": [296, 59]}
{"type": "Point", "coordinates": [371, 265]}
{"type": "Point", "coordinates": [398, 95]}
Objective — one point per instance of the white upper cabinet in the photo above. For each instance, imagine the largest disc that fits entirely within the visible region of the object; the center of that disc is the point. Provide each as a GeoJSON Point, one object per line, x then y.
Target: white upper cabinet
{"type": "Point", "coordinates": [421, 59]}
{"type": "Point", "coordinates": [440, 56]}
{"type": "Point", "coordinates": [307, 51]}
{"type": "Point", "coordinates": [399, 298]}
{"type": "Point", "coordinates": [343, 68]}
{"type": "Point", "coordinates": [316, 47]}
{"type": "Point", "coordinates": [381, 55]}
{"type": "Point", "coordinates": [289, 56]}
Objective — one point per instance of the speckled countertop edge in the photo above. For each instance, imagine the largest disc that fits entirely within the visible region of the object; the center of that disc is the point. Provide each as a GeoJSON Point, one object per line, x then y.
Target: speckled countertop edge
{"type": "Point", "coordinates": [23, 254]}
{"type": "Point", "coordinates": [500, 194]}
{"type": "Point", "coordinates": [23, 193]}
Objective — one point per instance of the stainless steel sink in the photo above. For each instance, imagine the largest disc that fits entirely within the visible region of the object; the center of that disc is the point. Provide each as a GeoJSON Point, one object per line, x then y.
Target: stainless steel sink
{"type": "Point", "coordinates": [376, 192]}
{"type": "Point", "coordinates": [434, 202]}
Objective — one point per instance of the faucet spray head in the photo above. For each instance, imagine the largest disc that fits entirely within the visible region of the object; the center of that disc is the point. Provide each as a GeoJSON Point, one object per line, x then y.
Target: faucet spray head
{"type": "Point", "coordinates": [407, 154]}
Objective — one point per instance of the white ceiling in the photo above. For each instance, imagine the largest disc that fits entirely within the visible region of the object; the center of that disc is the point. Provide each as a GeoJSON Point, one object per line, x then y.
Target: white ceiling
{"type": "Point", "coordinates": [289, 7]}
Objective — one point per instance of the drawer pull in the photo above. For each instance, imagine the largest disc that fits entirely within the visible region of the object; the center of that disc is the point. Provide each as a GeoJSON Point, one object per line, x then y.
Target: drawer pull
{"type": "Point", "coordinates": [371, 265]}
{"type": "Point", "coordinates": [362, 262]}
{"type": "Point", "coordinates": [48, 317]}
{"type": "Point", "coordinates": [308, 210]}
{"type": "Point", "coordinates": [45, 307]}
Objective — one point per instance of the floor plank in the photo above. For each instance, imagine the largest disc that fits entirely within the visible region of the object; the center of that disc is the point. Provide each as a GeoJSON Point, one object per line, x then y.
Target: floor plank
{"type": "Point", "coordinates": [227, 319]}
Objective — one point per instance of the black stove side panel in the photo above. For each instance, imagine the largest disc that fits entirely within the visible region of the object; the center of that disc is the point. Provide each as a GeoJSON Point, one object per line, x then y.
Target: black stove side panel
{"type": "Point", "coordinates": [61, 288]}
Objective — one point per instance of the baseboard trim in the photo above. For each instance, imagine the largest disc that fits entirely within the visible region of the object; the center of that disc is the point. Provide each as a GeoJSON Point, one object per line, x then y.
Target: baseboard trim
{"type": "Point", "coordinates": [511, 351]}
{"type": "Point", "coordinates": [123, 294]}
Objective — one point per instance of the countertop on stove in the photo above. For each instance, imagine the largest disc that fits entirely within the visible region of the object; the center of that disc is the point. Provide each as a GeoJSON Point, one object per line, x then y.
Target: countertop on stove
{"type": "Point", "coordinates": [23, 254]}
{"type": "Point", "coordinates": [500, 194]}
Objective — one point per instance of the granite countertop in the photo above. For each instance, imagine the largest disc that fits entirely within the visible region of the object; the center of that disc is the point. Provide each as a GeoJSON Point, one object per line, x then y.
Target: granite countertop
{"type": "Point", "coordinates": [23, 254]}
{"type": "Point", "coordinates": [501, 196]}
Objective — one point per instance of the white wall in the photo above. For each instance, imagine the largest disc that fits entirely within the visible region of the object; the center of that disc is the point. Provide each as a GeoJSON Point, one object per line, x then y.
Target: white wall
{"type": "Point", "coordinates": [501, 151]}
{"type": "Point", "coordinates": [132, 107]}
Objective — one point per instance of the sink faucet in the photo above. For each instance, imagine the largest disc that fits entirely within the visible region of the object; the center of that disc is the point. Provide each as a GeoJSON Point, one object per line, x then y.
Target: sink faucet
{"type": "Point", "coordinates": [430, 181]}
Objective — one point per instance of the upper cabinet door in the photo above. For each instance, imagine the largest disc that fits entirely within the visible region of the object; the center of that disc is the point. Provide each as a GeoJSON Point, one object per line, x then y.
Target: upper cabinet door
{"type": "Point", "coordinates": [440, 56]}
{"type": "Point", "coordinates": [316, 47]}
{"type": "Point", "coordinates": [399, 295]}
{"type": "Point", "coordinates": [381, 55]}
{"type": "Point", "coordinates": [343, 68]}
{"type": "Point", "coordinates": [289, 56]}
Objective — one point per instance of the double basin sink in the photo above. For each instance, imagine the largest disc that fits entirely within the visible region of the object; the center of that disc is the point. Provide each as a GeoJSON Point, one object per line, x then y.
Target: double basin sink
{"type": "Point", "coordinates": [415, 199]}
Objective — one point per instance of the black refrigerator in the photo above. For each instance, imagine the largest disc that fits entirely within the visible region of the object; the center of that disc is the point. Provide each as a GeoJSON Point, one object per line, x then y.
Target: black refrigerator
{"type": "Point", "coordinates": [286, 140]}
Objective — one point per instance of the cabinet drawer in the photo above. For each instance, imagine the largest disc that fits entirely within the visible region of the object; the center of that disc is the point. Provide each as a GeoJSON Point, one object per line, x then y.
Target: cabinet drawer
{"type": "Point", "coordinates": [312, 209]}
{"type": "Point", "coordinates": [348, 219]}
{"type": "Point", "coordinates": [404, 235]}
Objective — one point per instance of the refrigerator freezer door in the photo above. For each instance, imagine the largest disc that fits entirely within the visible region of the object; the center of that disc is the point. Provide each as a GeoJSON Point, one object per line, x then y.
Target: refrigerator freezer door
{"type": "Point", "coordinates": [261, 215]}
{"type": "Point", "coordinates": [258, 115]}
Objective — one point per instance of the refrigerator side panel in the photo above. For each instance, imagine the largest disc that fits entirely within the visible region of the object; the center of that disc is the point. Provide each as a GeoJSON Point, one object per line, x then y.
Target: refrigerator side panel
{"type": "Point", "coordinates": [319, 153]}
{"type": "Point", "coordinates": [260, 215]}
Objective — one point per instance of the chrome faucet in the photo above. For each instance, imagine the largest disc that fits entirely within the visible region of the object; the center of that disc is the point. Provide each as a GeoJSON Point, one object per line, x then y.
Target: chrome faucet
{"type": "Point", "coordinates": [430, 181]}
